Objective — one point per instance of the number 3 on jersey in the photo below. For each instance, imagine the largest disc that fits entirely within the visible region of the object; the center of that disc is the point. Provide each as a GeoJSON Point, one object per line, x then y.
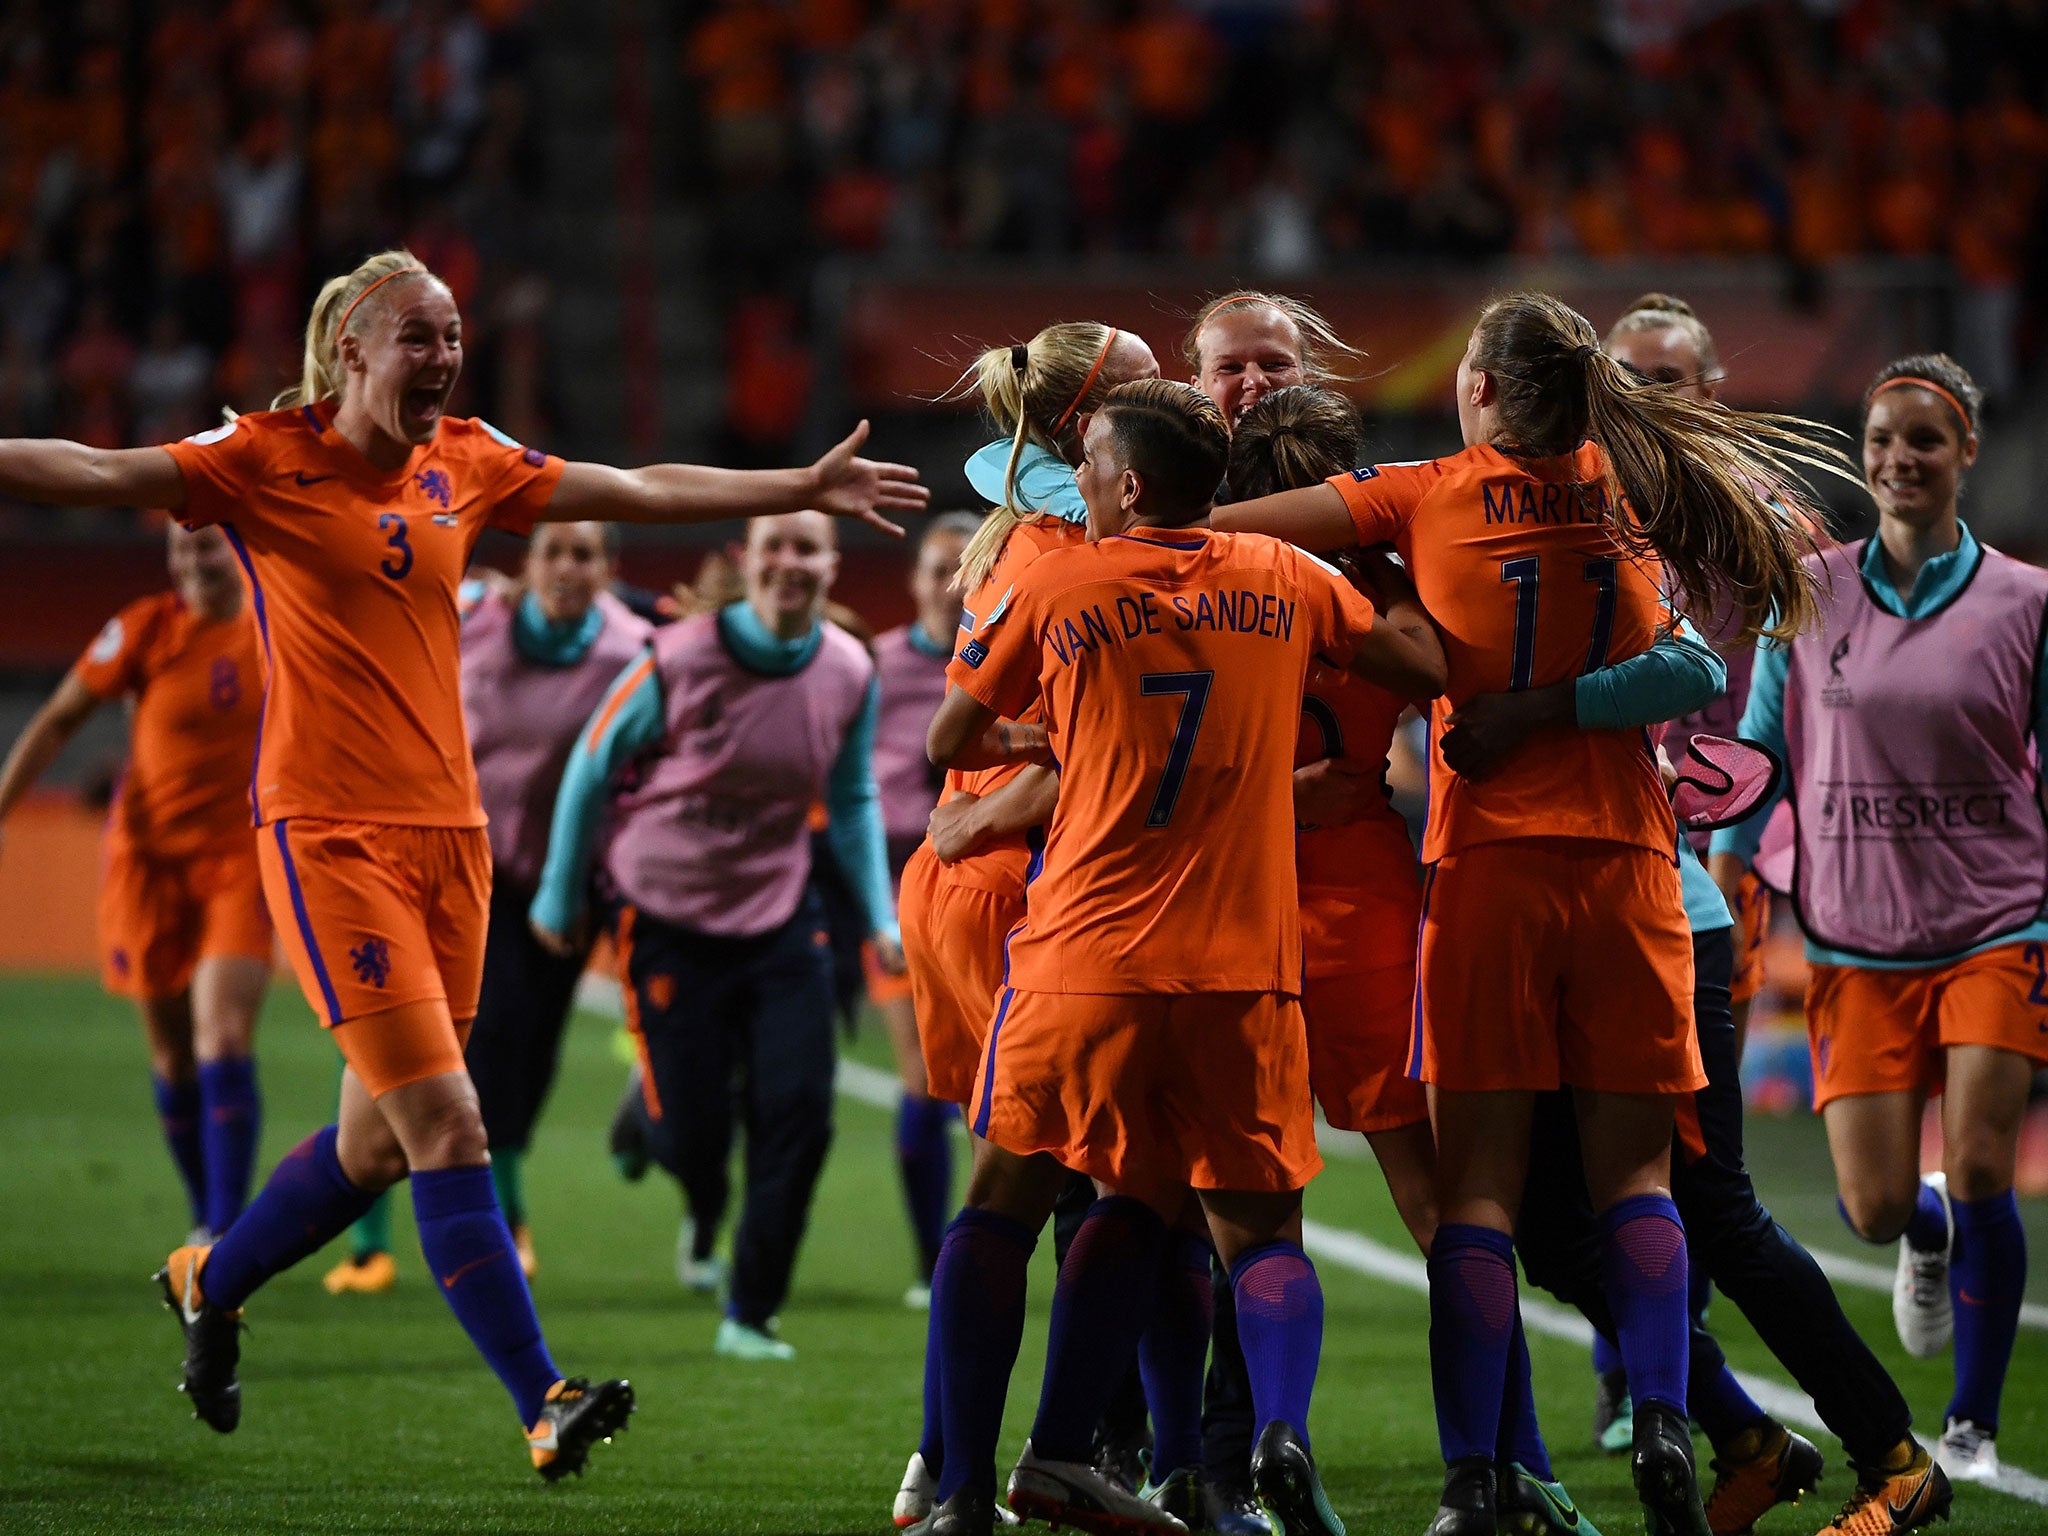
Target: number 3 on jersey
{"type": "Point", "coordinates": [396, 564]}
{"type": "Point", "coordinates": [1193, 688]}
{"type": "Point", "coordinates": [1524, 573]}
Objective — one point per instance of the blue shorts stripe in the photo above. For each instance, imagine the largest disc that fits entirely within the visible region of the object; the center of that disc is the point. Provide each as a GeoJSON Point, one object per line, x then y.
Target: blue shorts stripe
{"type": "Point", "coordinates": [291, 880]}
{"type": "Point", "coordinates": [988, 1071]}
{"type": "Point", "coordinates": [1415, 1027]}
{"type": "Point", "coordinates": [263, 630]}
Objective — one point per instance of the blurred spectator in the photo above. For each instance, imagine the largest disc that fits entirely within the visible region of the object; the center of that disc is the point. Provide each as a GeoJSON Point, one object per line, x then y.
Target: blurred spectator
{"type": "Point", "coordinates": [168, 379]}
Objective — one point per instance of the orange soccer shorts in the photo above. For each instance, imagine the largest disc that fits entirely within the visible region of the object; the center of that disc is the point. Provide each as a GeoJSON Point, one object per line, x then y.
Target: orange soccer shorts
{"type": "Point", "coordinates": [953, 940]}
{"type": "Point", "coordinates": [375, 916]}
{"type": "Point", "coordinates": [1753, 926]}
{"type": "Point", "coordinates": [1148, 1091]}
{"type": "Point", "coordinates": [159, 919]}
{"type": "Point", "coordinates": [1875, 1031]}
{"type": "Point", "coordinates": [1552, 961]}
{"type": "Point", "coordinates": [1359, 1028]}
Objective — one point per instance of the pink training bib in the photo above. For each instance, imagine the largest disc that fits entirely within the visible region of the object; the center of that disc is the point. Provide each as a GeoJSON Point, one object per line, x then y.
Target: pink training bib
{"type": "Point", "coordinates": [913, 685]}
{"type": "Point", "coordinates": [1917, 799]}
{"type": "Point", "coordinates": [523, 718]}
{"type": "Point", "coordinates": [717, 835]}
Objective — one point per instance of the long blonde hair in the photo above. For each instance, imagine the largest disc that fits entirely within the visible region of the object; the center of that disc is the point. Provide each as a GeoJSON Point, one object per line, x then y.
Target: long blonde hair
{"type": "Point", "coordinates": [1691, 481]}
{"type": "Point", "coordinates": [1326, 357]}
{"type": "Point", "coordinates": [320, 374]}
{"type": "Point", "coordinates": [1036, 392]}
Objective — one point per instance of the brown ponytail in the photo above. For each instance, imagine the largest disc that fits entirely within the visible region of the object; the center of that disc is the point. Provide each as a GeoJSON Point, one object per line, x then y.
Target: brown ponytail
{"type": "Point", "coordinates": [1295, 437]}
{"type": "Point", "coordinates": [1720, 496]}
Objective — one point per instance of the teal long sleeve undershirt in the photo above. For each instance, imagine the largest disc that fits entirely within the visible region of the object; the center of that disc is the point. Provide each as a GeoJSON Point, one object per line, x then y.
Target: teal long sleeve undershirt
{"type": "Point", "coordinates": [636, 718]}
{"type": "Point", "coordinates": [1763, 720]}
{"type": "Point", "coordinates": [1679, 674]}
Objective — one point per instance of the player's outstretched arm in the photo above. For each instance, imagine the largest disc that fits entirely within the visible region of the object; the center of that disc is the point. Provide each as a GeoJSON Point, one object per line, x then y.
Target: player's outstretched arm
{"type": "Point", "coordinates": [967, 734]}
{"type": "Point", "coordinates": [64, 474]}
{"type": "Point", "coordinates": [42, 739]}
{"type": "Point", "coordinates": [841, 483]}
{"type": "Point", "coordinates": [1314, 517]}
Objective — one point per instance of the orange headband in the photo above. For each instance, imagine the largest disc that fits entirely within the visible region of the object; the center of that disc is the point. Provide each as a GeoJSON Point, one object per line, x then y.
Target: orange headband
{"type": "Point", "coordinates": [352, 303]}
{"type": "Point", "coordinates": [1100, 358]}
{"type": "Point", "coordinates": [1932, 388]}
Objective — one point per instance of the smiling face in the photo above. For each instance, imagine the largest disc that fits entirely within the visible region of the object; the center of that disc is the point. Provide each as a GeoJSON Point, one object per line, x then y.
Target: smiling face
{"type": "Point", "coordinates": [1915, 454]}
{"type": "Point", "coordinates": [1664, 354]}
{"type": "Point", "coordinates": [789, 564]}
{"type": "Point", "coordinates": [566, 567]}
{"type": "Point", "coordinates": [931, 583]}
{"type": "Point", "coordinates": [1246, 353]}
{"type": "Point", "coordinates": [204, 571]}
{"type": "Point", "coordinates": [403, 357]}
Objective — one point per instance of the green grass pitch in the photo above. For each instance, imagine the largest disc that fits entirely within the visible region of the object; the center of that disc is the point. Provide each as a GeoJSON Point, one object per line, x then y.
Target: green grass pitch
{"type": "Point", "coordinates": [371, 1414]}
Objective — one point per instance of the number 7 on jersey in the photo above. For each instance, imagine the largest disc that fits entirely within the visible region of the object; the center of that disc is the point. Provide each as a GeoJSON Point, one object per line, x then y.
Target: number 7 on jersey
{"type": "Point", "coordinates": [1193, 687]}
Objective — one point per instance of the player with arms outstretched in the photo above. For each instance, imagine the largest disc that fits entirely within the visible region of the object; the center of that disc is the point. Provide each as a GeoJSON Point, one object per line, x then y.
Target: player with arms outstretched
{"type": "Point", "coordinates": [353, 507]}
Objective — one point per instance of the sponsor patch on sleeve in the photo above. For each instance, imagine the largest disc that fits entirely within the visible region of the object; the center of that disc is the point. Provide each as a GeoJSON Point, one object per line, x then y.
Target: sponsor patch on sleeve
{"type": "Point", "coordinates": [108, 645]}
{"type": "Point", "coordinates": [1366, 472]}
{"type": "Point", "coordinates": [974, 653]}
{"type": "Point", "coordinates": [226, 429]}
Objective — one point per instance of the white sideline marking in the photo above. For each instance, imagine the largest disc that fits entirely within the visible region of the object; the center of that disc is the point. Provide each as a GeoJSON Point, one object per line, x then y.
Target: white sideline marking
{"type": "Point", "coordinates": [1362, 1255]}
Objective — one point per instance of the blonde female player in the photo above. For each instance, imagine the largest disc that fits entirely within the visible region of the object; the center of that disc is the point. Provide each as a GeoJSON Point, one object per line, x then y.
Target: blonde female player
{"type": "Point", "coordinates": [1909, 721]}
{"type": "Point", "coordinates": [1242, 346]}
{"type": "Point", "coordinates": [1554, 946]}
{"type": "Point", "coordinates": [353, 507]}
{"type": "Point", "coordinates": [963, 888]}
{"type": "Point", "coordinates": [182, 926]}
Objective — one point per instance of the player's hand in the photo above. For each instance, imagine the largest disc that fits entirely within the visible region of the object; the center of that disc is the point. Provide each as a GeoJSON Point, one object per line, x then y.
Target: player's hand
{"type": "Point", "coordinates": [1665, 770]}
{"type": "Point", "coordinates": [955, 828]}
{"type": "Point", "coordinates": [562, 944]}
{"type": "Point", "coordinates": [889, 955]}
{"type": "Point", "coordinates": [847, 486]}
{"type": "Point", "coordinates": [1490, 728]}
{"type": "Point", "coordinates": [1377, 574]}
{"type": "Point", "coordinates": [1332, 792]}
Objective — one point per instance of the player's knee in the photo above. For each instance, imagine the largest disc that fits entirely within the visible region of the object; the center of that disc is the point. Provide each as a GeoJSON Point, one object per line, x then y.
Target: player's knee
{"type": "Point", "coordinates": [447, 1135]}
{"type": "Point", "coordinates": [1879, 1213]}
{"type": "Point", "coordinates": [1979, 1164]}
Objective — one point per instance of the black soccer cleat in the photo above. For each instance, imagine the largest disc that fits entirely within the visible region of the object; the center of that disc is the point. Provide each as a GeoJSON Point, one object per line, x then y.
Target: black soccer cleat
{"type": "Point", "coordinates": [1467, 1506]}
{"type": "Point", "coordinates": [1665, 1477]}
{"type": "Point", "coordinates": [574, 1418]}
{"type": "Point", "coordinates": [627, 1139]}
{"type": "Point", "coordinates": [1284, 1478]}
{"type": "Point", "coordinates": [213, 1347]}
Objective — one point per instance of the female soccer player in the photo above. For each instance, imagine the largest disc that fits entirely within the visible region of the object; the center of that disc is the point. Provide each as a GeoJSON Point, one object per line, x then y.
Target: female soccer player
{"type": "Point", "coordinates": [182, 926]}
{"type": "Point", "coordinates": [910, 669]}
{"type": "Point", "coordinates": [1245, 345]}
{"type": "Point", "coordinates": [1556, 870]}
{"type": "Point", "coordinates": [739, 722]}
{"type": "Point", "coordinates": [1148, 1033]}
{"type": "Point", "coordinates": [1907, 719]}
{"type": "Point", "coordinates": [353, 507]}
{"type": "Point", "coordinates": [963, 888]}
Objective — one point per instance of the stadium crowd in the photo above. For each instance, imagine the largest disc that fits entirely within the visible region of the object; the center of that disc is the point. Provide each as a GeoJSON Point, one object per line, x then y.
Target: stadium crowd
{"type": "Point", "coordinates": [1287, 139]}
{"type": "Point", "coordinates": [179, 176]}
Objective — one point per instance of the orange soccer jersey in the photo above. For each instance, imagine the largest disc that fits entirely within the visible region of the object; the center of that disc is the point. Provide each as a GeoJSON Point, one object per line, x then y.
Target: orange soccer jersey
{"type": "Point", "coordinates": [998, 865]}
{"type": "Point", "coordinates": [1170, 663]}
{"type": "Point", "coordinates": [353, 574]}
{"type": "Point", "coordinates": [198, 695]}
{"type": "Point", "coordinates": [1518, 566]}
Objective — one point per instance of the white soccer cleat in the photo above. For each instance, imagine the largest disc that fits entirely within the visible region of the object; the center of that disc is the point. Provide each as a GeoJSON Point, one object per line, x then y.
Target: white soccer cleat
{"type": "Point", "coordinates": [1967, 1453]}
{"type": "Point", "coordinates": [1921, 1308]}
{"type": "Point", "coordinates": [703, 1276]}
{"type": "Point", "coordinates": [1063, 1493]}
{"type": "Point", "coordinates": [915, 1498]}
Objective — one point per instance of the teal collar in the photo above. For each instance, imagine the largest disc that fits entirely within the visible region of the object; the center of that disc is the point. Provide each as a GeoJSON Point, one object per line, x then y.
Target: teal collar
{"type": "Point", "coordinates": [926, 646]}
{"type": "Point", "coordinates": [758, 650]}
{"type": "Point", "coordinates": [550, 644]}
{"type": "Point", "coordinates": [1936, 586]}
{"type": "Point", "coordinates": [1045, 481]}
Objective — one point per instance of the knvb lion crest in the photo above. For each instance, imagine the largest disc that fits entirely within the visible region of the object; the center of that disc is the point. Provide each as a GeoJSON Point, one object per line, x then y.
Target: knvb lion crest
{"type": "Point", "coordinates": [372, 960]}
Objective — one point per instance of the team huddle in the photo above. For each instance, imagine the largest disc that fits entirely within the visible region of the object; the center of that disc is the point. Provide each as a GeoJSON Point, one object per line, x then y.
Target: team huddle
{"type": "Point", "coordinates": [1161, 912]}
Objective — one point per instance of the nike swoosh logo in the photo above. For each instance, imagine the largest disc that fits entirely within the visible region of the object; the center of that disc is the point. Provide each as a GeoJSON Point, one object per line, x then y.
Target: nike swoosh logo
{"type": "Point", "coordinates": [1904, 1515]}
{"type": "Point", "coordinates": [305, 479]}
{"type": "Point", "coordinates": [1967, 1299]}
{"type": "Point", "coordinates": [448, 1281]}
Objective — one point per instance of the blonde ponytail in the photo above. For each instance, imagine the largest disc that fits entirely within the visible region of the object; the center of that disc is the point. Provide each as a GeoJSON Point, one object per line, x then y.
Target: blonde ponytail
{"type": "Point", "coordinates": [1036, 392]}
{"type": "Point", "coordinates": [1720, 496]}
{"type": "Point", "coordinates": [320, 374]}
